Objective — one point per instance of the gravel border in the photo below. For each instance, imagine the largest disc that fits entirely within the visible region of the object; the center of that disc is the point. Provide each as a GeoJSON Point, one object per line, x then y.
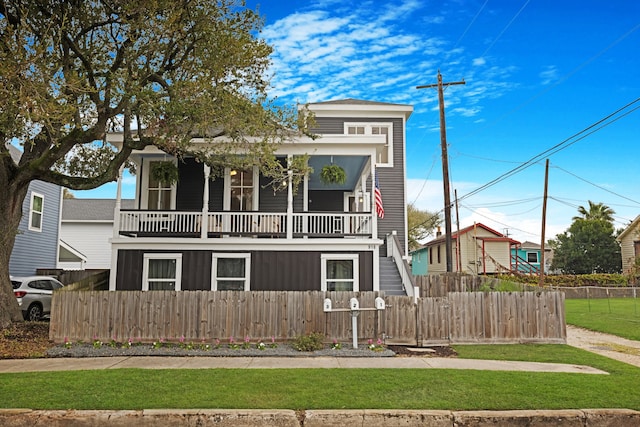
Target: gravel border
{"type": "Point", "coordinates": [173, 350]}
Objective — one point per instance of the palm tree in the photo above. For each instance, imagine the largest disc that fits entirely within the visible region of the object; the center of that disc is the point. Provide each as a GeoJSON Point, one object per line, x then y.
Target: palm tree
{"type": "Point", "coordinates": [597, 211]}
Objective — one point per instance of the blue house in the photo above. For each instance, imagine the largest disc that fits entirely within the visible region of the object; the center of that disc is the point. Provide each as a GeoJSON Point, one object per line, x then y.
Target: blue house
{"type": "Point", "coordinates": [525, 258]}
{"type": "Point", "coordinates": [420, 261]}
{"type": "Point", "coordinates": [36, 244]}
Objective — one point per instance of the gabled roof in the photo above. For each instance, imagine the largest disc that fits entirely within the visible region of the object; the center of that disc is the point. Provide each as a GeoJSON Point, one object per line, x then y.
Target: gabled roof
{"type": "Point", "coordinates": [15, 152]}
{"type": "Point", "coordinates": [634, 226]}
{"type": "Point", "coordinates": [498, 236]}
{"type": "Point", "coordinates": [91, 209]}
{"type": "Point", "coordinates": [529, 245]}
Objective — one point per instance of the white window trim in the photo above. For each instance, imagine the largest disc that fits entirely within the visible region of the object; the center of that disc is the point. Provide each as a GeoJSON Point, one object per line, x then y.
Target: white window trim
{"type": "Point", "coordinates": [247, 268]}
{"type": "Point", "coordinates": [144, 195]}
{"type": "Point", "coordinates": [537, 261]}
{"type": "Point", "coordinates": [145, 268]}
{"type": "Point", "coordinates": [31, 212]}
{"type": "Point", "coordinates": [323, 269]}
{"type": "Point", "coordinates": [367, 131]}
{"type": "Point", "coordinates": [226, 200]}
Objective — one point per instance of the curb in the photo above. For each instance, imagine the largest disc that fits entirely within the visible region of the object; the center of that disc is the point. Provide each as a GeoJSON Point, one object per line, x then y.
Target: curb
{"type": "Point", "coordinates": [313, 418]}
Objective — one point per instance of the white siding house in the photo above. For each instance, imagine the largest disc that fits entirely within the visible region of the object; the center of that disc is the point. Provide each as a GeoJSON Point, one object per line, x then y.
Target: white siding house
{"type": "Point", "coordinates": [86, 232]}
{"type": "Point", "coordinates": [630, 244]}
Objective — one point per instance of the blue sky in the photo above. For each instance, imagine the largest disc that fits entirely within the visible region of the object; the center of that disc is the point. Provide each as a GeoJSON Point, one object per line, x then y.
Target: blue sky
{"type": "Point", "coordinates": [537, 73]}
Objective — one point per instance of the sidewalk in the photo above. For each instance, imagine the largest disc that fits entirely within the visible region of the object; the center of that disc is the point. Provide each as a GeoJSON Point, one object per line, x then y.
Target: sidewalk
{"type": "Point", "coordinates": [155, 362]}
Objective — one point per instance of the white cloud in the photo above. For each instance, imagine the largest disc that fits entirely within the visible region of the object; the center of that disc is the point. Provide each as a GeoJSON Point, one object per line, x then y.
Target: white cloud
{"type": "Point", "coordinates": [549, 74]}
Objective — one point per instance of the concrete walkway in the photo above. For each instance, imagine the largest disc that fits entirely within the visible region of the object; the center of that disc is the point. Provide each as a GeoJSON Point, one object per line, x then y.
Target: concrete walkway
{"type": "Point", "coordinates": [155, 362]}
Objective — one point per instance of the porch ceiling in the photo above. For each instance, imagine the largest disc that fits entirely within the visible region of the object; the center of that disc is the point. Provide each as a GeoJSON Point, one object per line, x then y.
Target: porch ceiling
{"type": "Point", "coordinates": [352, 165]}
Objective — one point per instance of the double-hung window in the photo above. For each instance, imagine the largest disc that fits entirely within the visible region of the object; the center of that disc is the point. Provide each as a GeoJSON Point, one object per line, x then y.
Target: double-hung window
{"type": "Point", "coordinates": [339, 272]}
{"type": "Point", "coordinates": [231, 272]}
{"type": "Point", "coordinates": [36, 210]}
{"type": "Point", "coordinates": [159, 193]}
{"type": "Point", "coordinates": [384, 155]}
{"type": "Point", "coordinates": [162, 272]}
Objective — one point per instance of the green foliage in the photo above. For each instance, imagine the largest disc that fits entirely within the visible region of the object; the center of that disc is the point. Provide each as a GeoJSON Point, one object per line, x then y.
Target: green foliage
{"type": "Point", "coordinates": [501, 286]}
{"type": "Point", "coordinates": [421, 224]}
{"type": "Point", "coordinates": [311, 342]}
{"type": "Point", "coordinates": [332, 174]}
{"type": "Point", "coordinates": [165, 172]}
{"type": "Point", "coordinates": [588, 246]}
{"type": "Point", "coordinates": [572, 280]}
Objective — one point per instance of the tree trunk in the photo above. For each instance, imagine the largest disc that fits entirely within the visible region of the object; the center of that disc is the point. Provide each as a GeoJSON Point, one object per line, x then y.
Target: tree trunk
{"type": "Point", "coordinates": [11, 199]}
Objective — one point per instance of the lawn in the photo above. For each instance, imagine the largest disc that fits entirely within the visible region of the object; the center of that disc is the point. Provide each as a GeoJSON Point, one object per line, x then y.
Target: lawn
{"type": "Point", "coordinates": [360, 388]}
{"type": "Point", "coordinates": [617, 316]}
{"type": "Point", "coordinates": [338, 388]}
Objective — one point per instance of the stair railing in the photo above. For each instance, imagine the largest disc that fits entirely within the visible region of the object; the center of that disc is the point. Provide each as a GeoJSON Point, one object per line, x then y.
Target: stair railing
{"type": "Point", "coordinates": [394, 250]}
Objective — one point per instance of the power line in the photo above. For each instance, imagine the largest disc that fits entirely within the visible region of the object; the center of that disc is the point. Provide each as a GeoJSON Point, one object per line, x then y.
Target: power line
{"type": "Point", "coordinates": [505, 28]}
{"type": "Point", "coordinates": [558, 147]}
{"type": "Point", "coordinates": [597, 186]}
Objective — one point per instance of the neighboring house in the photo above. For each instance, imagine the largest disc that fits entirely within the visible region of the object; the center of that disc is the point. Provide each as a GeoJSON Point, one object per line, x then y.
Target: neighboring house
{"type": "Point", "coordinates": [420, 261]}
{"type": "Point", "coordinates": [235, 233]}
{"type": "Point", "coordinates": [629, 241]}
{"type": "Point", "coordinates": [526, 257]}
{"type": "Point", "coordinates": [476, 249]}
{"type": "Point", "coordinates": [36, 244]}
{"type": "Point", "coordinates": [85, 233]}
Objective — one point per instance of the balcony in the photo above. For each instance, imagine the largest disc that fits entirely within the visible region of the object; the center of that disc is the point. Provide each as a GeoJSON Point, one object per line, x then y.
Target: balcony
{"type": "Point", "coordinates": [168, 224]}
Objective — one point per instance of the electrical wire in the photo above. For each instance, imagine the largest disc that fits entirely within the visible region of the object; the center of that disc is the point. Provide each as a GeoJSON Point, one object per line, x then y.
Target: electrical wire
{"type": "Point", "coordinates": [589, 130]}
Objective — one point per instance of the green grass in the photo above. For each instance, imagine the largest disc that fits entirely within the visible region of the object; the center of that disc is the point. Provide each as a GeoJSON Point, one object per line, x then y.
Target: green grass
{"type": "Point", "coordinates": [617, 316]}
{"type": "Point", "coordinates": [338, 388]}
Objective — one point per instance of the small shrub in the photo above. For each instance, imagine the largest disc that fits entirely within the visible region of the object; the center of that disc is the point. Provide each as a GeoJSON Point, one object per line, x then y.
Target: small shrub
{"type": "Point", "coordinates": [310, 342]}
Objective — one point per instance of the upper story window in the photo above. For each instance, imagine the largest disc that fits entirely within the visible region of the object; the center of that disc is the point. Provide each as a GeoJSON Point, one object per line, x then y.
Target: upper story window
{"type": "Point", "coordinates": [36, 210]}
{"type": "Point", "coordinates": [241, 190]}
{"type": "Point", "coordinates": [384, 156]}
{"type": "Point", "coordinates": [159, 194]}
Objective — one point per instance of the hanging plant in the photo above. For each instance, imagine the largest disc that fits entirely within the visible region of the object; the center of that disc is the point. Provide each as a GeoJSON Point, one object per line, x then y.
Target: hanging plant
{"type": "Point", "coordinates": [332, 174]}
{"type": "Point", "coordinates": [165, 172]}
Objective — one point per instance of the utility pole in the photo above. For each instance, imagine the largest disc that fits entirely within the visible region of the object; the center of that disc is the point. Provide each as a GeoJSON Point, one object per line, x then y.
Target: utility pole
{"type": "Point", "coordinates": [544, 222]}
{"type": "Point", "coordinates": [445, 167]}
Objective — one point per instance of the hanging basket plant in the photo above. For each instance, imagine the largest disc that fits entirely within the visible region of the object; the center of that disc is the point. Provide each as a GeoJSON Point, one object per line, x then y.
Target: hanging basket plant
{"type": "Point", "coordinates": [165, 172]}
{"type": "Point", "coordinates": [332, 174]}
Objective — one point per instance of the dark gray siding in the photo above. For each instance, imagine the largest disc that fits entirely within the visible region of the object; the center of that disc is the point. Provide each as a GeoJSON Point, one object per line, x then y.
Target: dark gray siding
{"type": "Point", "coordinates": [216, 194]}
{"type": "Point", "coordinates": [270, 270]}
{"type": "Point", "coordinates": [37, 249]}
{"type": "Point", "coordinates": [326, 201]}
{"type": "Point", "coordinates": [391, 180]}
{"type": "Point", "coordinates": [190, 186]}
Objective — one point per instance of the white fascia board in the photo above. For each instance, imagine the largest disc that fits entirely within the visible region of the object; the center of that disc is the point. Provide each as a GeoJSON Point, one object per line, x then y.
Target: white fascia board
{"type": "Point", "coordinates": [243, 244]}
{"type": "Point", "coordinates": [361, 110]}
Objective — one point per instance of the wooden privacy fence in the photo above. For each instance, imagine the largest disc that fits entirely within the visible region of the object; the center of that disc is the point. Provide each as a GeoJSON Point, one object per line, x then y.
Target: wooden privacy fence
{"type": "Point", "coordinates": [461, 317]}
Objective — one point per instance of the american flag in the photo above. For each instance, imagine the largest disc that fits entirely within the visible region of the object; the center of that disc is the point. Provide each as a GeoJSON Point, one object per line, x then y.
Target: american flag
{"type": "Point", "coordinates": [378, 197]}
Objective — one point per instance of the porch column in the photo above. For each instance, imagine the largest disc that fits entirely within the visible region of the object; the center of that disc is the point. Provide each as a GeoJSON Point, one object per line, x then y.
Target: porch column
{"type": "Point", "coordinates": [116, 232]}
{"type": "Point", "coordinates": [289, 198]}
{"type": "Point", "coordinates": [204, 221]}
{"type": "Point", "coordinates": [118, 205]}
{"type": "Point", "coordinates": [372, 201]}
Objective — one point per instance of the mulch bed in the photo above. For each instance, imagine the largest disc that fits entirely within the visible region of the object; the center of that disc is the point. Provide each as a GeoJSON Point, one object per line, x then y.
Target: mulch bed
{"type": "Point", "coordinates": [31, 340]}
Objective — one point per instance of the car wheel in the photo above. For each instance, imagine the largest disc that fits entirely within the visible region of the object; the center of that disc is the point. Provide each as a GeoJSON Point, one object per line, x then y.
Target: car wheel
{"type": "Point", "coordinates": [34, 313]}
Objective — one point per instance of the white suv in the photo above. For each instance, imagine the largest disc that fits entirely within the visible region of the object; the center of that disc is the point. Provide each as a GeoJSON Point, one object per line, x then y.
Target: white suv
{"type": "Point", "coordinates": [34, 295]}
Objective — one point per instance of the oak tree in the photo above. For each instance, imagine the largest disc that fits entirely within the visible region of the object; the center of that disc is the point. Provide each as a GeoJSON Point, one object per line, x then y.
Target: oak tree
{"type": "Point", "coordinates": [158, 71]}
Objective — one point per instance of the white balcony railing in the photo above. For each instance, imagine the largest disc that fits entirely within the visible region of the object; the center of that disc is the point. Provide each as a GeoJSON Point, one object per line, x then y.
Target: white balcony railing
{"type": "Point", "coordinates": [244, 224]}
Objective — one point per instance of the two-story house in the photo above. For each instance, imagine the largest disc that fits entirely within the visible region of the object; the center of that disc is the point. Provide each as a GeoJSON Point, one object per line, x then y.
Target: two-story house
{"type": "Point", "coordinates": [236, 233]}
{"type": "Point", "coordinates": [36, 244]}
